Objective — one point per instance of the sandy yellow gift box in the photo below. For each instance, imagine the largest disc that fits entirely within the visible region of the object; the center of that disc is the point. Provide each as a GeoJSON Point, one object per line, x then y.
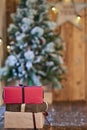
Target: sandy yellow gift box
{"type": "Point", "coordinates": [23, 120]}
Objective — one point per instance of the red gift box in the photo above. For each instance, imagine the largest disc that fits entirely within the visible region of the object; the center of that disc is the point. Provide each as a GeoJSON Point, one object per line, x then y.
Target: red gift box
{"type": "Point", "coordinates": [12, 94]}
{"type": "Point", "coordinates": [16, 95]}
{"type": "Point", "coordinates": [33, 94]}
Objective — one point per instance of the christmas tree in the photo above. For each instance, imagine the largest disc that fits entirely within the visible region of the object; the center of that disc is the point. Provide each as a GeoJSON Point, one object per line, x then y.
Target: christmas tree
{"type": "Point", "coordinates": [35, 49]}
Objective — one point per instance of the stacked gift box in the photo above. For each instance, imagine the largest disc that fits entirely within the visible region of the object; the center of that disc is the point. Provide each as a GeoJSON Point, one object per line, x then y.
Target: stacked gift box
{"type": "Point", "coordinates": [24, 107]}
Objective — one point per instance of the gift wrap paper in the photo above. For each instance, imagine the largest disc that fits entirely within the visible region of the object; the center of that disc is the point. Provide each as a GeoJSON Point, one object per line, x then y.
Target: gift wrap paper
{"type": "Point", "coordinates": [23, 120]}
{"type": "Point", "coordinates": [17, 94]}
{"type": "Point", "coordinates": [48, 97]}
{"type": "Point", "coordinates": [27, 107]}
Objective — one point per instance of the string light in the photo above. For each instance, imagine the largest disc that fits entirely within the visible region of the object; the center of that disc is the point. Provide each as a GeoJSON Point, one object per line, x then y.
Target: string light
{"type": "Point", "coordinates": [54, 9]}
{"type": "Point", "coordinates": [8, 48]}
{"type": "Point", "coordinates": [78, 19]}
{"type": "Point", "coordinates": [1, 41]}
{"type": "Point", "coordinates": [67, 0]}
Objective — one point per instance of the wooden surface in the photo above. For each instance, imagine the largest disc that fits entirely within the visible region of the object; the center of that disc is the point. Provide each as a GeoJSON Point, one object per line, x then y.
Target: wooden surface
{"type": "Point", "coordinates": [53, 128]}
{"type": "Point", "coordinates": [61, 115]}
{"type": "Point", "coordinates": [86, 51]}
{"type": "Point", "coordinates": [3, 36]}
{"type": "Point", "coordinates": [10, 8]}
{"type": "Point", "coordinates": [75, 60]}
{"type": "Point", "coordinates": [75, 55]}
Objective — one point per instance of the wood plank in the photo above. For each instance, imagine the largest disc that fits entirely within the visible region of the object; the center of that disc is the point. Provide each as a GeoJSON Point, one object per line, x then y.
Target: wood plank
{"type": "Point", "coordinates": [85, 40]}
{"type": "Point", "coordinates": [10, 8]}
{"type": "Point", "coordinates": [67, 34]}
{"type": "Point", "coordinates": [2, 35]}
{"type": "Point", "coordinates": [75, 61]}
{"type": "Point", "coordinates": [6, 8]}
{"type": "Point", "coordinates": [79, 62]}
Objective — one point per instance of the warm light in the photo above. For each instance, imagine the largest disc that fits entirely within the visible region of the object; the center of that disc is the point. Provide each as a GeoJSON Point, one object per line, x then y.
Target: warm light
{"type": "Point", "coordinates": [1, 41]}
{"type": "Point", "coordinates": [78, 17]}
{"type": "Point", "coordinates": [54, 9]}
{"type": "Point", "coordinates": [8, 48]}
{"type": "Point", "coordinates": [67, 0]}
{"type": "Point", "coordinates": [77, 20]}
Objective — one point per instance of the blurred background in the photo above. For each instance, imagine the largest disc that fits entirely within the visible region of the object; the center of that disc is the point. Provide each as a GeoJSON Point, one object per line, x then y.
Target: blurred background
{"type": "Point", "coordinates": [74, 55]}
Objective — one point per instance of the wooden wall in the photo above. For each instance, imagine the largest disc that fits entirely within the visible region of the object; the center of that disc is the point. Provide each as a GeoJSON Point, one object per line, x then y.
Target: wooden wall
{"type": "Point", "coordinates": [5, 10]}
{"type": "Point", "coordinates": [3, 36]}
{"type": "Point", "coordinates": [75, 60]}
{"type": "Point", "coordinates": [75, 56]}
{"type": "Point", "coordinates": [85, 52]}
{"type": "Point", "coordinates": [10, 8]}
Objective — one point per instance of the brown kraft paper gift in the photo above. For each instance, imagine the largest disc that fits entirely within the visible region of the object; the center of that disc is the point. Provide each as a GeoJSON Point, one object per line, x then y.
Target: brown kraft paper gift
{"type": "Point", "coordinates": [23, 120]}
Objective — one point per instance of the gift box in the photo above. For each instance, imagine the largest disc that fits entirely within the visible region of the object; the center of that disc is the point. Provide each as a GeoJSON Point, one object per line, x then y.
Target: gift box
{"type": "Point", "coordinates": [23, 120]}
{"type": "Point", "coordinates": [33, 95]}
{"type": "Point", "coordinates": [12, 94]}
{"type": "Point", "coordinates": [48, 97]}
{"type": "Point", "coordinates": [16, 95]}
{"type": "Point", "coordinates": [27, 107]}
